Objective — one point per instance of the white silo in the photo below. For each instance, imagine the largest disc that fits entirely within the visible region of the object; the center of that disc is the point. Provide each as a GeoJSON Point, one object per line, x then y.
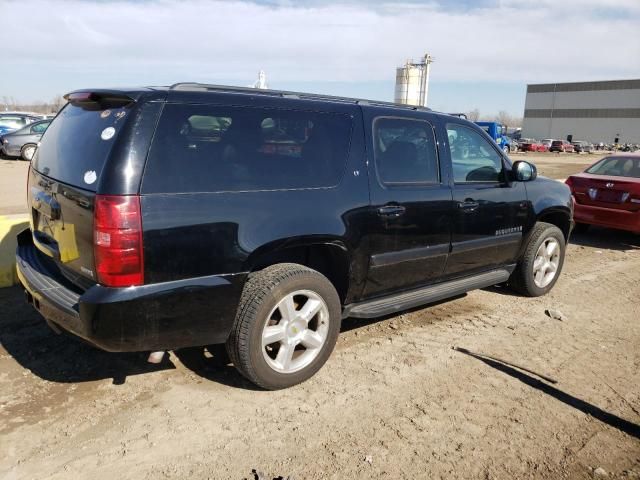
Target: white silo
{"type": "Point", "coordinates": [412, 82]}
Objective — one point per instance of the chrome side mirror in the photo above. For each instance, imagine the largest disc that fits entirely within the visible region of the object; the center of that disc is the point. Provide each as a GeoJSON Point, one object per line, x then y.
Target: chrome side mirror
{"type": "Point", "coordinates": [524, 171]}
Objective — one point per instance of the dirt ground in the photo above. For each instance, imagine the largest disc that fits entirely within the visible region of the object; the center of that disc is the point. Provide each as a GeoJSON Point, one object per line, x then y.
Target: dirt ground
{"type": "Point", "coordinates": [431, 393]}
{"type": "Point", "coordinates": [558, 165]}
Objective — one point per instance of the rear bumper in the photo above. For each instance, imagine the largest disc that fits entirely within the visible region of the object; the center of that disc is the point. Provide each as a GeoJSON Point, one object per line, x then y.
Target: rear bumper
{"type": "Point", "coordinates": [11, 150]}
{"type": "Point", "coordinates": [160, 316]}
{"type": "Point", "coordinates": [607, 217]}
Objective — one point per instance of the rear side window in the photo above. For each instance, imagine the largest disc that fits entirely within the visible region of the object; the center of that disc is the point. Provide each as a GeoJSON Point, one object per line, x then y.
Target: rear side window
{"type": "Point", "coordinates": [405, 151]}
{"type": "Point", "coordinates": [76, 144]}
{"type": "Point", "coordinates": [617, 166]}
{"type": "Point", "coordinates": [40, 127]}
{"type": "Point", "coordinates": [210, 148]}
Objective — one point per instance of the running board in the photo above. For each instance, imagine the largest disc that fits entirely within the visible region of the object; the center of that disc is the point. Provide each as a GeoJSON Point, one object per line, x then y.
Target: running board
{"type": "Point", "coordinates": [421, 296]}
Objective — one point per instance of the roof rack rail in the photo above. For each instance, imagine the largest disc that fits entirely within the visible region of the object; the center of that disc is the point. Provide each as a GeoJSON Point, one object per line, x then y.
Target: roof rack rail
{"type": "Point", "coordinates": [195, 86]}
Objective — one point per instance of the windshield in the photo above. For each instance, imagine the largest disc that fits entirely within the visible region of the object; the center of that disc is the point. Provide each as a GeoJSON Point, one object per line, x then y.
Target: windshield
{"type": "Point", "coordinates": [76, 144]}
{"type": "Point", "coordinates": [617, 166]}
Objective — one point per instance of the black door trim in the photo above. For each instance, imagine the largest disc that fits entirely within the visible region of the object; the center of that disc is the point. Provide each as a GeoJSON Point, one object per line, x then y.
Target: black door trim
{"type": "Point", "coordinates": [486, 242]}
{"type": "Point", "coordinates": [410, 254]}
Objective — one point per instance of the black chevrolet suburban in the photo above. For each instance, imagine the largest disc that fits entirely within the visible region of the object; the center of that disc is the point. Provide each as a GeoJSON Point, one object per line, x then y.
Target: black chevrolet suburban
{"type": "Point", "coordinates": [197, 215]}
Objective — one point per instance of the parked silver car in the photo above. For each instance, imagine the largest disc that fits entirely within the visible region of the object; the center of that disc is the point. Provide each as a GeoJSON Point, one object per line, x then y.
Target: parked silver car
{"type": "Point", "coordinates": [582, 147]}
{"type": "Point", "coordinates": [23, 142]}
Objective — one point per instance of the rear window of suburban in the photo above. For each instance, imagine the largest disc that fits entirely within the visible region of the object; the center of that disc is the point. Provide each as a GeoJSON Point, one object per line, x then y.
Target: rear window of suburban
{"type": "Point", "coordinates": [77, 143]}
{"type": "Point", "coordinates": [211, 148]}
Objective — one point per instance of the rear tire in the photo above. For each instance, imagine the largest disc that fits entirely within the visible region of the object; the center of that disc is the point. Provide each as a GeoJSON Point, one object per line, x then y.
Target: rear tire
{"type": "Point", "coordinates": [541, 262]}
{"type": "Point", "coordinates": [27, 152]}
{"type": "Point", "coordinates": [286, 326]}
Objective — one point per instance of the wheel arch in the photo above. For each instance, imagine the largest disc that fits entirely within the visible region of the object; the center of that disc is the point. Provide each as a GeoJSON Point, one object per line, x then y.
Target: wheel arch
{"type": "Point", "coordinates": [559, 217]}
{"type": "Point", "coordinates": [329, 256]}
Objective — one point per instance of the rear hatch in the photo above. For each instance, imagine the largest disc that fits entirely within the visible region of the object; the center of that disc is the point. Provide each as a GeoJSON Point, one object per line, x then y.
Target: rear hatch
{"type": "Point", "coordinates": [65, 176]}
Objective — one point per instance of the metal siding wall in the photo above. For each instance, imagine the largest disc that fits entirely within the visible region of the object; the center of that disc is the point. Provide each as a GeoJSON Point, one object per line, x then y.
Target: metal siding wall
{"type": "Point", "coordinates": [589, 129]}
{"type": "Point", "coordinates": [538, 100]}
{"type": "Point", "coordinates": [603, 106]}
{"type": "Point", "coordinates": [599, 99]}
{"type": "Point", "coordinates": [633, 84]}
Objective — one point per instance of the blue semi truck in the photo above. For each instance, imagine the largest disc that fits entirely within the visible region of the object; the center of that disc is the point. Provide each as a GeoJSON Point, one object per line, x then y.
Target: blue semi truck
{"type": "Point", "coordinates": [497, 131]}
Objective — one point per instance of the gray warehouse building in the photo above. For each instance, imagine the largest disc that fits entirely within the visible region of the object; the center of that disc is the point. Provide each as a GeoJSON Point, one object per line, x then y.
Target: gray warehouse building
{"type": "Point", "coordinates": [592, 111]}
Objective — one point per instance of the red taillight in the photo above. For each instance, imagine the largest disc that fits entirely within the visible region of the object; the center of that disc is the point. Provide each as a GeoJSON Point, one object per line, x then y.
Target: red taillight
{"type": "Point", "coordinates": [117, 240]}
{"type": "Point", "coordinates": [569, 182]}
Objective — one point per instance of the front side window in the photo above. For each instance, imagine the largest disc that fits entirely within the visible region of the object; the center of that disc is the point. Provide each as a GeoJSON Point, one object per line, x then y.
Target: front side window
{"type": "Point", "coordinates": [473, 158]}
{"type": "Point", "coordinates": [405, 151]}
{"type": "Point", "coordinates": [209, 148]}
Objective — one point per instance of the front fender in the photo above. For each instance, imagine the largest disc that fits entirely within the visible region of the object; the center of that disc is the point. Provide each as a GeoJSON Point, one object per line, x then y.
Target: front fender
{"type": "Point", "coordinates": [551, 202]}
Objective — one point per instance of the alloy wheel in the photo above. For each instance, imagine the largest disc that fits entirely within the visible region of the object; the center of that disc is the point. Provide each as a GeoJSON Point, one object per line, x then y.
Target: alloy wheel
{"type": "Point", "coordinates": [295, 331]}
{"type": "Point", "coordinates": [28, 152]}
{"type": "Point", "coordinates": [546, 263]}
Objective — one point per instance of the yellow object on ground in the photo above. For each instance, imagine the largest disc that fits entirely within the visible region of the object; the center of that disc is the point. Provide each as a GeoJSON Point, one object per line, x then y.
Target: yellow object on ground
{"type": "Point", "coordinates": [10, 226]}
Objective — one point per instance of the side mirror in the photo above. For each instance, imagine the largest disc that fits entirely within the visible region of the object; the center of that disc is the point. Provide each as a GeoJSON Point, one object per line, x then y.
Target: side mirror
{"type": "Point", "coordinates": [524, 171]}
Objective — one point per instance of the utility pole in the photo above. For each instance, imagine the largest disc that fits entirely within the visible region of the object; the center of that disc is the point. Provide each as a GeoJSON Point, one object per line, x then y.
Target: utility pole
{"type": "Point", "coordinates": [428, 60]}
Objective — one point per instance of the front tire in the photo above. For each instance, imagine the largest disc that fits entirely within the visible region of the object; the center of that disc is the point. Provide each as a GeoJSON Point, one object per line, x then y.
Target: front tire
{"type": "Point", "coordinates": [541, 262]}
{"type": "Point", "coordinates": [286, 326]}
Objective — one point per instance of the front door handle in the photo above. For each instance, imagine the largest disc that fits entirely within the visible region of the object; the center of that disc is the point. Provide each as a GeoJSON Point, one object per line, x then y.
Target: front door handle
{"type": "Point", "coordinates": [468, 205]}
{"type": "Point", "coordinates": [391, 210]}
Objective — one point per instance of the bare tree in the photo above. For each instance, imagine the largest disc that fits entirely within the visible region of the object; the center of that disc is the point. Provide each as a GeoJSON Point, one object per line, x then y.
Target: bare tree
{"type": "Point", "coordinates": [39, 106]}
{"type": "Point", "coordinates": [473, 115]}
{"type": "Point", "coordinates": [57, 103]}
{"type": "Point", "coordinates": [506, 119]}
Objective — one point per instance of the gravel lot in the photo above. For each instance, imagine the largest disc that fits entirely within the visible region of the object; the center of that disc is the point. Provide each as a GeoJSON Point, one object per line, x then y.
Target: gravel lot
{"type": "Point", "coordinates": [13, 181]}
{"type": "Point", "coordinates": [396, 399]}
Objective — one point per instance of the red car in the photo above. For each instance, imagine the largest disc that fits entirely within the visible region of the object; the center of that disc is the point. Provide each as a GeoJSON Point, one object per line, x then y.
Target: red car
{"type": "Point", "coordinates": [561, 146]}
{"type": "Point", "coordinates": [608, 193]}
{"type": "Point", "coordinates": [541, 147]}
{"type": "Point", "coordinates": [531, 146]}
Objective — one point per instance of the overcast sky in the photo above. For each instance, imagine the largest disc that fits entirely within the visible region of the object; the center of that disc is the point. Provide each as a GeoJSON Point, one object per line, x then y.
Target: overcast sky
{"type": "Point", "coordinates": [485, 51]}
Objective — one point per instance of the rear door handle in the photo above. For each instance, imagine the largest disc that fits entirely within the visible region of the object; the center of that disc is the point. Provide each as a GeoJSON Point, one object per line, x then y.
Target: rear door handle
{"type": "Point", "coordinates": [468, 205]}
{"type": "Point", "coordinates": [391, 210]}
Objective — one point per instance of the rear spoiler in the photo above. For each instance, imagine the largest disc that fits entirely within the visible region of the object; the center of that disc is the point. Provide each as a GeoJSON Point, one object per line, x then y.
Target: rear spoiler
{"type": "Point", "coordinates": [103, 98]}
